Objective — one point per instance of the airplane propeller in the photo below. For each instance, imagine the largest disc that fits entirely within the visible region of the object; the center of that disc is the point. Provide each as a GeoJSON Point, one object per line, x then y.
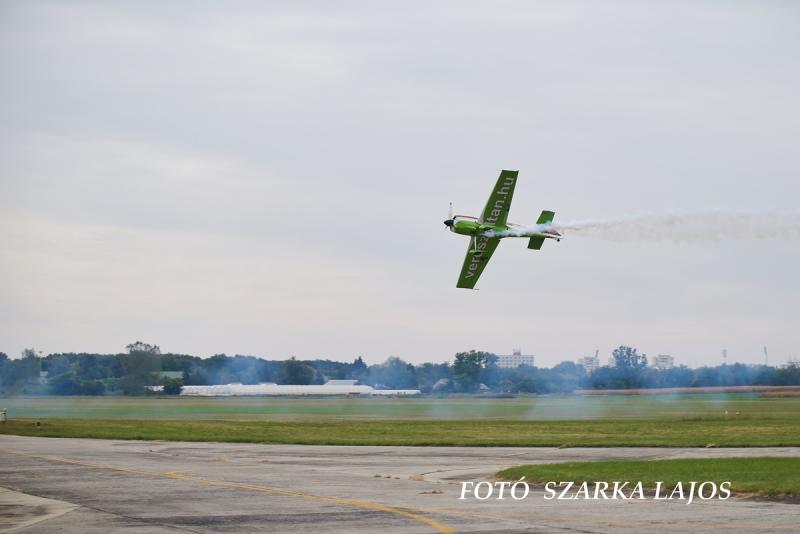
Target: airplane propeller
{"type": "Point", "coordinates": [449, 222]}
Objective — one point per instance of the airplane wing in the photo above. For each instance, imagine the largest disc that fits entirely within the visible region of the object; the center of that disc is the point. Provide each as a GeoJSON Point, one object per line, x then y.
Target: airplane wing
{"type": "Point", "coordinates": [496, 210]}
{"type": "Point", "coordinates": [480, 250]}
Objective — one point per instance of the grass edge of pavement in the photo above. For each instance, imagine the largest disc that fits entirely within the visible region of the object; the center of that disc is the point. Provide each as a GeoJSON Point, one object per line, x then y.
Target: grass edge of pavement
{"type": "Point", "coordinates": [774, 477]}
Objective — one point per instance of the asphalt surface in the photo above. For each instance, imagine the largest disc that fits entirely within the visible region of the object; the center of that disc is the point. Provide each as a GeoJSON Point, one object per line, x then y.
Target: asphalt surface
{"type": "Point", "coordinates": [88, 486]}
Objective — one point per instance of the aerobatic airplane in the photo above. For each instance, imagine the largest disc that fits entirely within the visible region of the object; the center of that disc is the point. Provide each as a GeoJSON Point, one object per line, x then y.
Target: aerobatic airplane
{"type": "Point", "coordinates": [487, 230]}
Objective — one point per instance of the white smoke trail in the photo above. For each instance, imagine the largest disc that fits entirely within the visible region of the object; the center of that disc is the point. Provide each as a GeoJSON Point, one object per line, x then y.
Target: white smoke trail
{"type": "Point", "coordinates": [687, 226]}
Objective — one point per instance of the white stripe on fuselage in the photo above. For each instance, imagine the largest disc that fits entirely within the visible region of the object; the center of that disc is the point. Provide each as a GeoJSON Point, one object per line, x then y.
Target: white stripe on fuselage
{"type": "Point", "coordinates": [529, 232]}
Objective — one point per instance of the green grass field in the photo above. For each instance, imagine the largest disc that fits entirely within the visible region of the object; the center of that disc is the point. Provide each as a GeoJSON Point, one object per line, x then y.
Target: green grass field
{"type": "Point", "coordinates": [774, 477]}
{"type": "Point", "coordinates": [697, 432]}
{"type": "Point", "coordinates": [683, 421]}
{"type": "Point", "coordinates": [519, 409]}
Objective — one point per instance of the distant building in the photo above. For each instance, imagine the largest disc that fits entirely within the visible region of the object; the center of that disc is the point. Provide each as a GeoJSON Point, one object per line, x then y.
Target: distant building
{"type": "Point", "coordinates": [664, 362]}
{"type": "Point", "coordinates": [589, 363]}
{"type": "Point", "coordinates": [270, 389]}
{"type": "Point", "coordinates": [513, 360]}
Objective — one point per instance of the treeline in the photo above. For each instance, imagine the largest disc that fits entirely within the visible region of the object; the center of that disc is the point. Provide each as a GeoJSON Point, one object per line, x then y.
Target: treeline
{"type": "Point", "coordinates": [143, 365]}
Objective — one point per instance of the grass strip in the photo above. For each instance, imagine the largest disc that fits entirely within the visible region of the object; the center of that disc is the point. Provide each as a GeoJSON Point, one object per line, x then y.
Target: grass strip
{"type": "Point", "coordinates": [684, 432]}
{"type": "Point", "coordinates": [773, 477]}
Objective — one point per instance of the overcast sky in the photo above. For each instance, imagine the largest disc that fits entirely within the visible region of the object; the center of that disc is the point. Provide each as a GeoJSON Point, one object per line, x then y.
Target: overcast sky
{"type": "Point", "coordinates": [271, 178]}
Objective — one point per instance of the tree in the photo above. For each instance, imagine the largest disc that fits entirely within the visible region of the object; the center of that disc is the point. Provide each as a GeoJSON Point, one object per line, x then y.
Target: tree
{"type": "Point", "coordinates": [64, 384]}
{"type": "Point", "coordinates": [29, 367]}
{"type": "Point", "coordinates": [297, 372]}
{"type": "Point", "coordinates": [58, 365]}
{"type": "Point", "coordinates": [789, 375]}
{"type": "Point", "coordinates": [628, 358]}
{"type": "Point", "coordinates": [490, 374]}
{"type": "Point", "coordinates": [140, 347]}
{"type": "Point", "coordinates": [89, 367]}
{"type": "Point", "coordinates": [429, 374]}
{"type": "Point", "coordinates": [196, 376]}
{"type": "Point", "coordinates": [140, 367]}
{"type": "Point", "coordinates": [394, 373]}
{"type": "Point", "coordinates": [6, 369]}
{"type": "Point", "coordinates": [218, 369]}
{"type": "Point", "coordinates": [629, 366]}
{"type": "Point", "coordinates": [92, 387]}
{"type": "Point", "coordinates": [468, 369]}
{"type": "Point", "coordinates": [523, 379]}
{"type": "Point", "coordinates": [570, 376]}
{"type": "Point", "coordinates": [173, 386]}
{"type": "Point", "coordinates": [359, 369]}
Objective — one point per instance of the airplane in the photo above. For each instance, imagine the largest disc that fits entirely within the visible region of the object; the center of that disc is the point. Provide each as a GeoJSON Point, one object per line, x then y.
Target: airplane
{"type": "Point", "coordinates": [487, 230]}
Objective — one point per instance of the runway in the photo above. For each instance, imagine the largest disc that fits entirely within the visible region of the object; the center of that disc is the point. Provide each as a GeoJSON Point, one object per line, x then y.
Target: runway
{"type": "Point", "coordinates": [109, 486]}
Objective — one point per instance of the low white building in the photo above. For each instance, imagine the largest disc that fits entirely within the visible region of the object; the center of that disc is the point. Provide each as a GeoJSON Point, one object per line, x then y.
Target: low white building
{"type": "Point", "coordinates": [333, 387]}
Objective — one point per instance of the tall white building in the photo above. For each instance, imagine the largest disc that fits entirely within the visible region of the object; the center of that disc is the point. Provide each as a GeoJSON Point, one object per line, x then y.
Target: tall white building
{"type": "Point", "coordinates": [515, 359]}
{"type": "Point", "coordinates": [664, 362]}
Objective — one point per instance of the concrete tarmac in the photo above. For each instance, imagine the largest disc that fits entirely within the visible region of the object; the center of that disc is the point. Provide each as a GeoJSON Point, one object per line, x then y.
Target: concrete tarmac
{"type": "Point", "coordinates": [107, 486]}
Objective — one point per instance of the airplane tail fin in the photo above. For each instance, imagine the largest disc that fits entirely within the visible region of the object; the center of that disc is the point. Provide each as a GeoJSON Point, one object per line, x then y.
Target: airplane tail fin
{"type": "Point", "coordinates": [536, 242]}
{"type": "Point", "coordinates": [546, 217]}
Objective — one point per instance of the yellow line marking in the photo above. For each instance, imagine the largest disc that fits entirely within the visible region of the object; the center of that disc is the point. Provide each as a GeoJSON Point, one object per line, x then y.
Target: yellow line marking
{"type": "Point", "coordinates": [179, 471]}
{"type": "Point", "coordinates": [438, 525]}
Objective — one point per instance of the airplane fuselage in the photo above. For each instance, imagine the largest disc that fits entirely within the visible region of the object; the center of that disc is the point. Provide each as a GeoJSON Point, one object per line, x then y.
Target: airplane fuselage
{"type": "Point", "coordinates": [471, 226]}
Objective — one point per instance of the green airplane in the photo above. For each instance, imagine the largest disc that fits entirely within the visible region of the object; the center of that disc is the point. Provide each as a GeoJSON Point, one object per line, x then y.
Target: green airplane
{"type": "Point", "coordinates": [487, 230]}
